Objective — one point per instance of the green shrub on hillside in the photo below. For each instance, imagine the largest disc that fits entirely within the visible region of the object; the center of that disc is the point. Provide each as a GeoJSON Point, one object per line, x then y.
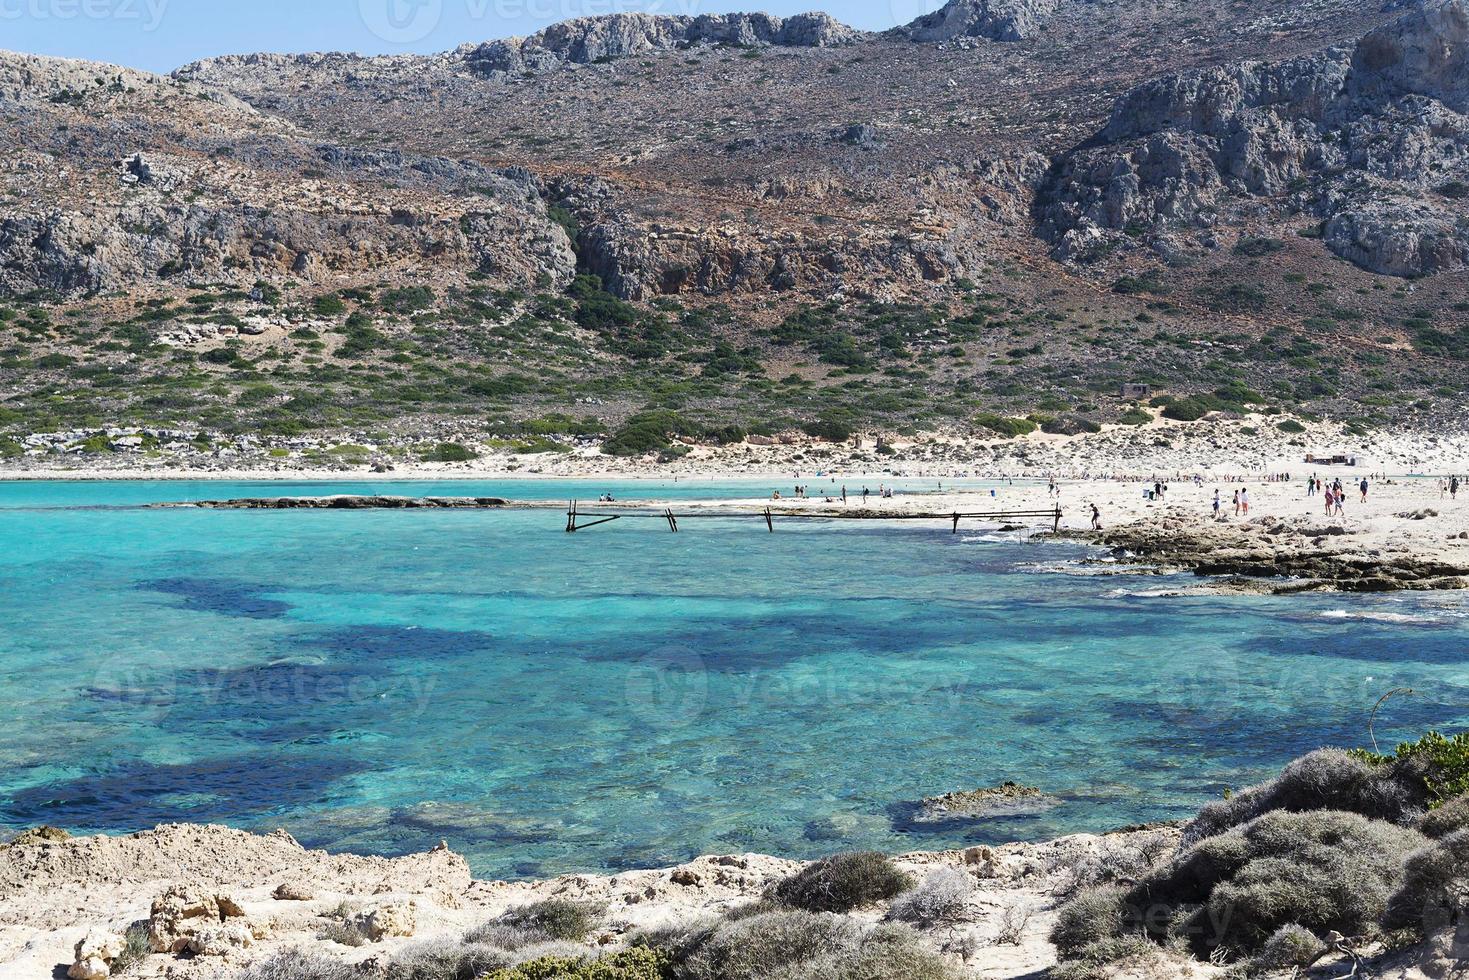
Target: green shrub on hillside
{"type": "Point", "coordinates": [1007, 427]}
{"type": "Point", "coordinates": [646, 432]}
{"type": "Point", "coordinates": [449, 452]}
{"type": "Point", "coordinates": [843, 882]}
{"type": "Point", "coordinates": [1186, 409]}
{"type": "Point", "coordinates": [328, 305]}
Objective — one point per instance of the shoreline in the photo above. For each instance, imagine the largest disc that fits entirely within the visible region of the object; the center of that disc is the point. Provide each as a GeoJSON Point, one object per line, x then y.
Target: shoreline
{"type": "Point", "coordinates": [276, 895]}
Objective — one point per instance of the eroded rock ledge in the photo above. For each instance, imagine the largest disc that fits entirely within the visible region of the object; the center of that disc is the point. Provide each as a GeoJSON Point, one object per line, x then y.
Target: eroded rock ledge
{"type": "Point", "coordinates": [1286, 556]}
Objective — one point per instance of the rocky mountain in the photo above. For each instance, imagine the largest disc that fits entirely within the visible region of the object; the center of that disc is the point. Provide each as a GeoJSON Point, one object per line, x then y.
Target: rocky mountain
{"type": "Point", "coordinates": [998, 20]}
{"type": "Point", "coordinates": [1009, 205]}
{"type": "Point", "coordinates": [1371, 139]}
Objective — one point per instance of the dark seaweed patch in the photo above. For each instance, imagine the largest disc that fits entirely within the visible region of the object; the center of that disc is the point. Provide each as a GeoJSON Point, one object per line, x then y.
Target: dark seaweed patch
{"type": "Point", "coordinates": [221, 597]}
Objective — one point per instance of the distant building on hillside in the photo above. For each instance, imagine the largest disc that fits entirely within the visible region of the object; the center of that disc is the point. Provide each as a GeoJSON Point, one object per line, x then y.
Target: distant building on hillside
{"type": "Point", "coordinates": [1332, 459]}
{"type": "Point", "coordinates": [1136, 390]}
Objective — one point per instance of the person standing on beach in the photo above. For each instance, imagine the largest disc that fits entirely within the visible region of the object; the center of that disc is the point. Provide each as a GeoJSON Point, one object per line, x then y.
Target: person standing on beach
{"type": "Point", "coordinates": [1454, 488]}
{"type": "Point", "coordinates": [844, 493]}
{"type": "Point", "coordinates": [1363, 487]}
{"type": "Point", "coordinates": [1216, 503]}
{"type": "Point", "coordinates": [1244, 500]}
{"type": "Point", "coordinates": [1096, 518]}
{"type": "Point", "coordinates": [1236, 503]}
{"type": "Point", "coordinates": [865, 492]}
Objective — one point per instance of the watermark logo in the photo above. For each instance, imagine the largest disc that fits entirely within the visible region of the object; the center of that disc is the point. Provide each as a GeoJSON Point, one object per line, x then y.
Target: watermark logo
{"type": "Point", "coordinates": [668, 688]}
{"type": "Point", "coordinates": [148, 13]}
{"type": "Point", "coordinates": [904, 12]}
{"type": "Point", "coordinates": [137, 691]}
{"type": "Point", "coordinates": [401, 21]}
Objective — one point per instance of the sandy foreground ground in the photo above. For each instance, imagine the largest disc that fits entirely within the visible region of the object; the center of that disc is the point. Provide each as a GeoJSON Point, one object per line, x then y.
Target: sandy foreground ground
{"type": "Point", "coordinates": [277, 895]}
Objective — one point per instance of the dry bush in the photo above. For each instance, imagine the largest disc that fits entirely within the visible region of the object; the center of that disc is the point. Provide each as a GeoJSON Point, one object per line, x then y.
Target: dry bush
{"type": "Point", "coordinates": [1292, 947]}
{"type": "Point", "coordinates": [300, 964]}
{"type": "Point", "coordinates": [1434, 885]}
{"type": "Point", "coordinates": [1104, 960]}
{"type": "Point", "coordinates": [446, 959]}
{"type": "Point", "coordinates": [1452, 816]}
{"type": "Point", "coordinates": [940, 899]}
{"type": "Point", "coordinates": [796, 945]}
{"type": "Point", "coordinates": [843, 882]}
{"type": "Point", "coordinates": [1323, 870]}
{"type": "Point", "coordinates": [553, 918]}
{"type": "Point", "coordinates": [1328, 779]}
{"type": "Point", "coordinates": [1095, 916]}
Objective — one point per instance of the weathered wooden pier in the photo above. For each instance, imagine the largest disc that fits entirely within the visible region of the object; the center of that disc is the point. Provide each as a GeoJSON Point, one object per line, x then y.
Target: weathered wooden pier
{"type": "Point", "coordinates": [580, 520]}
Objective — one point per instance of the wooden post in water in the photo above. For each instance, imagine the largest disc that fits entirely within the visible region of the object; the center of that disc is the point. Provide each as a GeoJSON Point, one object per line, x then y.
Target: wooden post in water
{"type": "Point", "coordinates": [672, 521]}
{"type": "Point", "coordinates": [1057, 526]}
{"type": "Point", "coordinates": [571, 517]}
{"type": "Point", "coordinates": [769, 520]}
{"type": "Point", "coordinates": [956, 523]}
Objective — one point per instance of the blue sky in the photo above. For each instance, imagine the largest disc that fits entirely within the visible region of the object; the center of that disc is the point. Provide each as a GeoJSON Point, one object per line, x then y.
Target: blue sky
{"type": "Point", "coordinates": [160, 35]}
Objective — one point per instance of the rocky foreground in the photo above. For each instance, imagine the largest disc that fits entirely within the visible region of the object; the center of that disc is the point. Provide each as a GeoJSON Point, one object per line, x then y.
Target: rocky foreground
{"type": "Point", "coordinates": [212, 900]}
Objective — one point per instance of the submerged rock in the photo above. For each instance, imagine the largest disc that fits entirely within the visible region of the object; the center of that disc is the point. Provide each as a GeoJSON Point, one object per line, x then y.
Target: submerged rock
{"type": "Point", "coordinates": [1006, 800]}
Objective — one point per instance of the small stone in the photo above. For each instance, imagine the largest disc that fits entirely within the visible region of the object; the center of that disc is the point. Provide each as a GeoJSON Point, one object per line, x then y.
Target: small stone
{"type": "Point", "coordinates": [94, 955]}
{"type": "Point", "coordinates": [686, 876]}
{"type": "Point", "coordinates": [378, 922]}
{"type": "Point", "coordinates": [293, 891]}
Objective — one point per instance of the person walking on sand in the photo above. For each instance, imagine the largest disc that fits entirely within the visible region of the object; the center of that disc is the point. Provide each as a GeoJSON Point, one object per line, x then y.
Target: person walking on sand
{"type": "Point", "coordinates": [844, 494]}
{"type": "Point", "coordinates": [1236, 503]}
{"type": "Point", "coordinates": [1244, 501]}
{"type": "Point", "coordinates": [1217, 503]}
{"type": "Point", "coordinates": [1096, 518]}
{"type": "Point", "coordinates": [1363, 487]}
{"type": "Point", "coordinates": [1454, 488]}
{"type": "Point", "coordinates": [1341, 499]}
{"type": "Point", "coordinates": [865, 492]}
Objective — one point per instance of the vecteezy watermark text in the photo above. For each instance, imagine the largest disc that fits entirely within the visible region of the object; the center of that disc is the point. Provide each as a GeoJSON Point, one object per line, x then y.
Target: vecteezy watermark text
{"type": "Point", "coordinates": [410, 21]}
{"type": "Point", "coordinates": [148, 13]}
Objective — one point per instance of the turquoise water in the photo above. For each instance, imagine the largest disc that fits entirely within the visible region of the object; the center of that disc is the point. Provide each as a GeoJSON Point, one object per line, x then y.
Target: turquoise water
{"type": "Point", "coordinates": [624, 697]}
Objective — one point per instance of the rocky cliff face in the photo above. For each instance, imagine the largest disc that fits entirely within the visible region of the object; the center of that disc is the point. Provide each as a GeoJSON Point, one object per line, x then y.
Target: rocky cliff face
{"type": "Point", "coordinates": [588, 40]}
{"type": "Point", "coordinates": [182, 184]}
{"type": "Point", "coordinates": [1371, 141]}
{"type": "Point", "coordinates": [998, 20]}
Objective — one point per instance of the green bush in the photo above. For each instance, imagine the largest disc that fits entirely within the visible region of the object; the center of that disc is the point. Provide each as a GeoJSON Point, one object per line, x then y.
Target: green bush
{"type": "Point", "coordinates": [408, 299]}
{"type": "Point", "coordinates": [555, 918]}
{"type": "Point", "coordinates": [1007, 427]}
{"type": "Point", "coordinates": [830, 429]}
{"type": "Point", "coordinates": [646, 432]}
{"type": "Point", "coordinates": [1258, 247]}
{"type": "Point", "coordinates": [449, 452]}
{"type": "Point", "coordinates": [1236, 298]}
{"type": "Point", "coordinates": [1187, 409]}
{"type": "Point", "coordinates": [636, 963]}
{"type": "Point", "coordinates": [1135, 416]}
{"type": "Point", "coordinates": [1291, 426]}
{"type": "Point", "coordinates": [843, 882]}
{"type": "Point", "coordinates": [328, 305]}
{"type": "Point", "coordinates": [1443, 762]}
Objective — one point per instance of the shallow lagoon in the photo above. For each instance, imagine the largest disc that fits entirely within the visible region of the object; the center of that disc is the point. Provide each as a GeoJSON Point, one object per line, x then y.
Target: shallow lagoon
{"type": "Point", "coordinates": [624, 697]}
